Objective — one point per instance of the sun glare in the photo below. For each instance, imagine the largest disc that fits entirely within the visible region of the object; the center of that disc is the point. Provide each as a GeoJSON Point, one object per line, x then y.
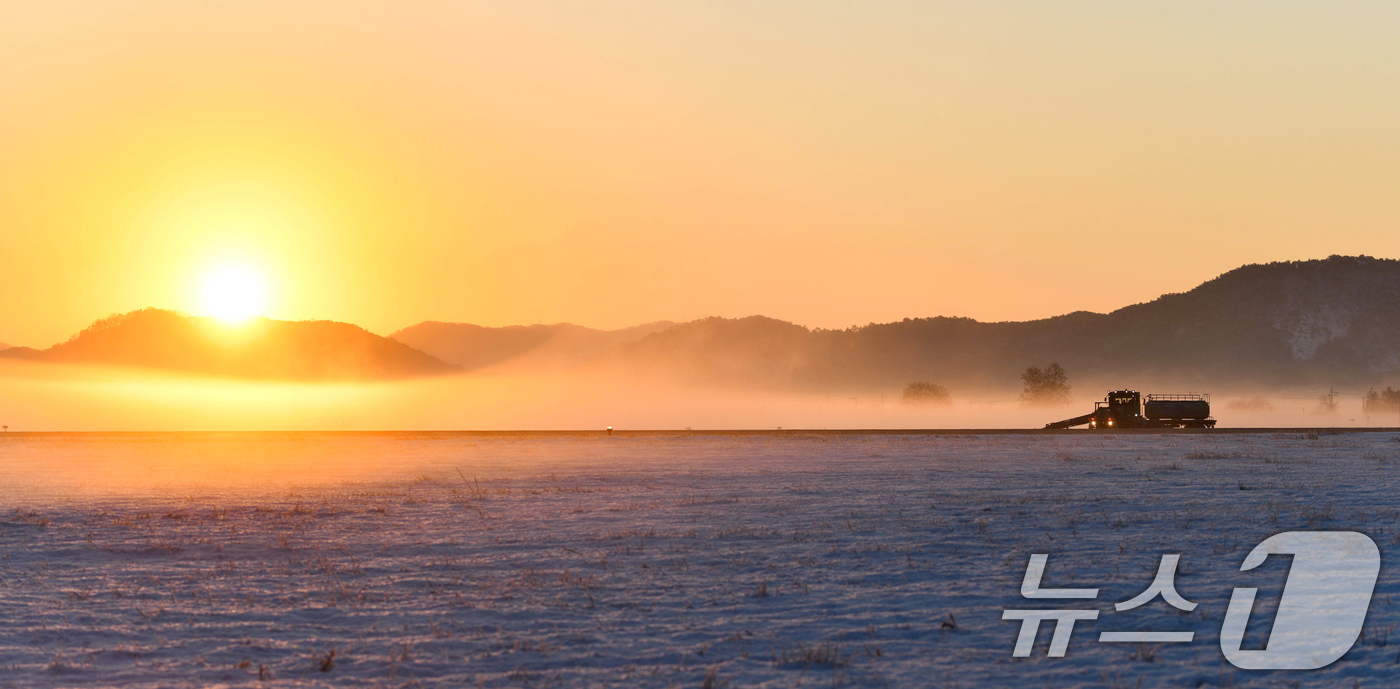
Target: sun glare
{"type": "Point", "coordinates": [233, 294]}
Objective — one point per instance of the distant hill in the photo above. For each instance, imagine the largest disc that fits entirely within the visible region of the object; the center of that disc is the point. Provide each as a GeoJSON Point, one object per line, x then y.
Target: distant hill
{"type": "Point", "coordinates": [262, 348]}
{"type": "Point", "coordinates": [4, 346]}
{"type": "Point", "coordinates": [474, 346]}
{"type": "Point", "coordinates": [1306, 322]}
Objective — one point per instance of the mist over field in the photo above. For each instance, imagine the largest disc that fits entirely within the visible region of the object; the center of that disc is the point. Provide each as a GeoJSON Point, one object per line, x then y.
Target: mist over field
{"type": "Point", "coordinates": [65, 398]}
{"type": "Point", "coordinates": [1267, 341]}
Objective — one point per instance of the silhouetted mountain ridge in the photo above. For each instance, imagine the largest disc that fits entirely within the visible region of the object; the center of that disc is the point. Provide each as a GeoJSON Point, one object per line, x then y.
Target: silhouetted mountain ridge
{"type": "Point", "coordinates": [1332, 321]}
{"type": "Point", "coordinates": [1278, 324]}
{"type": "Point", "coordinates": [475, 346]}
{"type": "Point", "coordinates": [261, 349]}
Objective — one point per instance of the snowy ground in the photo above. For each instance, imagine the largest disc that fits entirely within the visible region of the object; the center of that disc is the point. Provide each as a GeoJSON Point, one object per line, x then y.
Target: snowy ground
{"type": "Point", "coordinates": [696, 561]}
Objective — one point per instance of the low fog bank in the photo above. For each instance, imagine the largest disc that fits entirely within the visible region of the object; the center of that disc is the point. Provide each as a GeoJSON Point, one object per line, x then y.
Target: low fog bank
{"type": "Point", "coordinates": [37, 397]}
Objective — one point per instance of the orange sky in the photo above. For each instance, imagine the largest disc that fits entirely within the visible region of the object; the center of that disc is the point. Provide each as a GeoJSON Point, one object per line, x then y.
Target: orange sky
{"type": "Point", "coordinates": [615, 163]}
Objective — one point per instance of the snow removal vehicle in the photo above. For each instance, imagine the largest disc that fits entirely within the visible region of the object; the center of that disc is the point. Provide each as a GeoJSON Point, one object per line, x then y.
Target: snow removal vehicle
{"type": "Point", "coordinates": [1125, 409]}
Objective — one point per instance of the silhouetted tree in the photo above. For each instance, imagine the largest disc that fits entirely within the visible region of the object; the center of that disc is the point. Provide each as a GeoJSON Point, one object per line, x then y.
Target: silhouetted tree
{"type": "Point", "coordinates": [926, 393]}
{"type": "Point", "coordinates": [1327, 404]}
{"type": "Point", "coordinates": [1049, 385]}
{"type": "Point", "coordinates": [1385, 400]}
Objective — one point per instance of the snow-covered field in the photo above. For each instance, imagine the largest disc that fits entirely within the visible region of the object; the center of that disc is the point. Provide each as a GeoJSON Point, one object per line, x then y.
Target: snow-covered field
{"type": "Point", "coordinates": [812, 560]}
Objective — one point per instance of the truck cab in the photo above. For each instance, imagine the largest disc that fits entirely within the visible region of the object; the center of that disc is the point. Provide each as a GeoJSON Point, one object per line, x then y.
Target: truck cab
{"type": "Point", "coordinates": [1119, 409]}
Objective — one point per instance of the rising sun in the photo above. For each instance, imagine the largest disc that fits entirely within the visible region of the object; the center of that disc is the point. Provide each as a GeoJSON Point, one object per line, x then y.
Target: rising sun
{"type": "Point", "coordinates": [233, 294]}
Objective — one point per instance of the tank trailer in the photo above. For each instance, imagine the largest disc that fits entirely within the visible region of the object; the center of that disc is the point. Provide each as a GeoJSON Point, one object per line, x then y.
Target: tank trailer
{"type": "Point", "coordinates": [1125, 409]}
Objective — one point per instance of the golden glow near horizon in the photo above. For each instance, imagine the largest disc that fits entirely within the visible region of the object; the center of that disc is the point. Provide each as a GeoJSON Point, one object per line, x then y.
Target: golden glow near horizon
{"type": "Point", "coordinates": [618, 163]}
{"type": "Point", "coordinates": [234, 293]}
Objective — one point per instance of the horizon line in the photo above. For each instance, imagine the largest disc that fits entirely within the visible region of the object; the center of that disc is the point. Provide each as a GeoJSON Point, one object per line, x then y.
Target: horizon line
{"type": "Point", "coordinates": [659, 432]}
